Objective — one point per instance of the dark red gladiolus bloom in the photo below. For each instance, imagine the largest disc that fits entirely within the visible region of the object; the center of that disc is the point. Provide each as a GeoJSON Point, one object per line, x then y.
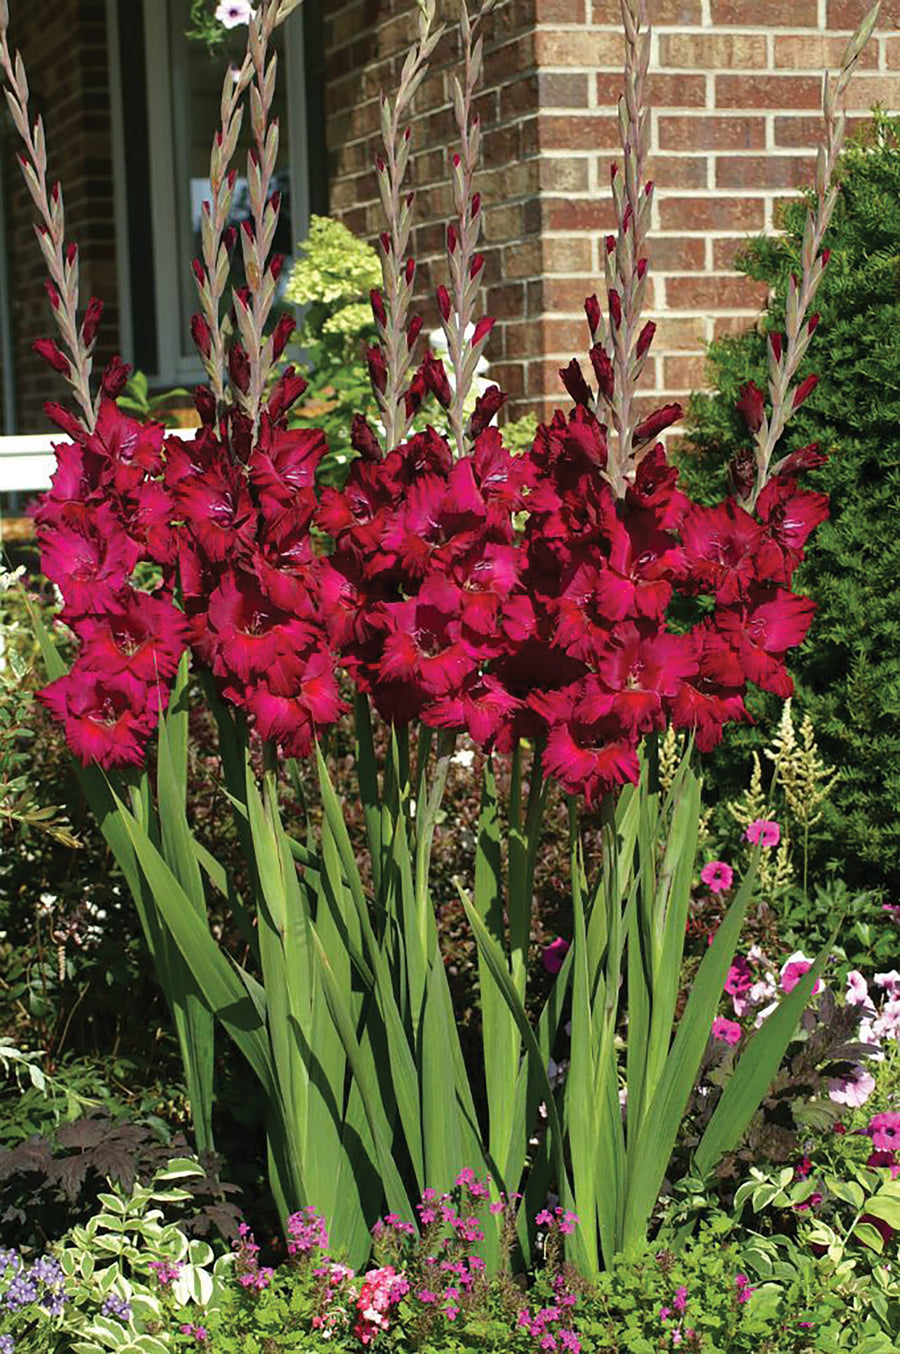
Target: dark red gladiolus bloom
{"type": "Point", "coordinates": [107, 718]}
{"type": "Point", "coordinates": [503, 595]}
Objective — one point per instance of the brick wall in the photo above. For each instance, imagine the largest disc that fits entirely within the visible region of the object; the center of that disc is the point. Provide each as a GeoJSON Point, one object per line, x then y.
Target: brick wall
{"type": "Point", "coordinates": [736, 88]}
{"type": "Point", "coordinates": [64, 46]}
{"type": "Point", "coordinates": [365, 43]}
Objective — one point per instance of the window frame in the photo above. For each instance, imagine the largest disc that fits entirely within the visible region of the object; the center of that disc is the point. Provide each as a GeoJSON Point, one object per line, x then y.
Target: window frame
{"type": "Point", "coordinates": [173, 367]}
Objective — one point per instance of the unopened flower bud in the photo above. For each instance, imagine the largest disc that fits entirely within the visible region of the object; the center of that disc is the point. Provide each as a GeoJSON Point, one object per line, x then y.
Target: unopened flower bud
{"type": "Point", "coordinates": [451, 238]}
{"type": "Point", "coordinates": [443, 300]}
{"type": "Point", "coordinates": [378, 310]}
{"type": "Point", "coordinates": [91, 322]}
{"type": "Point", "coordinates": [281, 334]}
{"type": "Point", "coordinates": [71, 254]}
{"type": "Point", "coordinates": [410, 271]}
{"type": "Point", "coordinates": [775, 339]}
{"type": "Point", "coordinates": [413, 330]}
{"type": "Point", "coordinates": [52, 355]}
{"type": "Point", "coordinates": [645, 338]}
{"type": "Point", "coordinates": [114, 377]}
{"type": "Point", "coordinates": [199, 271]}
{"type": "Point", "coordinates": [804, 390]}
{"type": "Point", "coordinates": [276, 263]}
{"type": "Point", "coordinates": [592, 311]}
{"type": "Point", "coordinates": [53, 294]}
{"type": "Point", "coordinates": [239, 368]}
{"type": "Point", "coordinates": [482, 329]}
{"type": "Point", "coordinates": [202, 335]}
{"type": "Point", "coordinates": [641, 269]}
{"type": "Point", "coordinates": [615, 306]}
{"type": "Point", "coordinates": [476, 265]}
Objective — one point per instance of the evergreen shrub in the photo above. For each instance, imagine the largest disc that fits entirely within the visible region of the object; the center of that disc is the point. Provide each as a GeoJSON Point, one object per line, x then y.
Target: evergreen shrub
{"type": "Point", "coordinates": [847, 674]}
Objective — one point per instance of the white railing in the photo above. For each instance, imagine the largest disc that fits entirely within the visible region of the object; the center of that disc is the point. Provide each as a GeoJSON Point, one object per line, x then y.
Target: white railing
{"type": "Point", "coordinates": [27, 462]}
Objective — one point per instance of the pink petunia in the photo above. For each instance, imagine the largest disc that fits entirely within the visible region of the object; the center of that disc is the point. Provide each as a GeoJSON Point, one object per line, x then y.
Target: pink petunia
{"type": "Point", "coordinates": [884, 1130]}
{"type": "Point", "coordinates": [853, 1090]}
{"type": "Point", "coordinates": [231, 13]}
{"type": "Point", "coordinates": [717, 876]}
{"type": "Point", "coordinates": [763, 830]}
{"type": "Point", "coordinates": [857, 993]}
{"type": "Point", "coordinates": [554, 954]}
{"type": "Point", "coordinates": [793, 969]}
{"type": "Point", "coordinates": [726, 1031]}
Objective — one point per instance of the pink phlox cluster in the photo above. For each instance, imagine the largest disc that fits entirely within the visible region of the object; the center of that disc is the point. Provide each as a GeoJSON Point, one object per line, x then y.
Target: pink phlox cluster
{"type": "Point", "coordinates": [547, 1329]}
{"type": "Point", "coordinates": [381, 1290]}
{"type": "Point", "coordinates": [199, 1333]}
{"type": "Point", "coordinates": [744, 1290]}
{"type": "Point", "coordinates": [562, 1218]}
{"type": "Point", "coordinates": [164, 1271]}
{"type": "Point", "coordinates": [678, 1333]}
{"type": "Point", "coordinates": [250, 1274]}
{"type": "Point", "coordinates": [306, 1232]}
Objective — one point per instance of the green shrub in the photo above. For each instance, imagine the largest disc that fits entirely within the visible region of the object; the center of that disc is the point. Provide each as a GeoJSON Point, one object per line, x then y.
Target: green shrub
{"type": "Point", "coordinates": [848, 672]}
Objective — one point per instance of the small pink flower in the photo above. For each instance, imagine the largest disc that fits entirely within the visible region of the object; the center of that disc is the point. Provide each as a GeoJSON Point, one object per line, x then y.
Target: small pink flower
{"type": "Point", "coordinates": [726, 1031]}
{"type": "Point", "coordinates": [853, 1090]}
{"type": "Point", "coordinates": [554, 954]}
{"type": "Point", "coordinates": [857, 993]}
{"type": "Point", "coordinates": [884, 1130]}
{"type": "Point", "coordinates": [717, 876]}
{"type": "Point", "coordinates": [793, 969]}
{"type": "Point", "coordinates": [763, 830]}
{"type": "Point", "coordinates": [232, 13]}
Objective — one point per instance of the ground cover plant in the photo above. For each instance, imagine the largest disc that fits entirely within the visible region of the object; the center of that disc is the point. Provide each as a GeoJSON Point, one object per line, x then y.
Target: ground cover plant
{"type": "Point", "coordinates": [556, 618]}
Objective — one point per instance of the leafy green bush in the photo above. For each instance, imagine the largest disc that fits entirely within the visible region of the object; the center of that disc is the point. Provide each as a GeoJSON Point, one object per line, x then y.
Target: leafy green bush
{"type": "Point", "coordinates": [848, 672]}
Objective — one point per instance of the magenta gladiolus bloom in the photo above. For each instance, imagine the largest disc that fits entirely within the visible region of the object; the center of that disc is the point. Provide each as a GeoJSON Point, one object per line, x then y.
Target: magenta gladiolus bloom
{"type": "Point", "coordinates": [763, 830]}
{"type": "Point", "coordinates": [717, 876]}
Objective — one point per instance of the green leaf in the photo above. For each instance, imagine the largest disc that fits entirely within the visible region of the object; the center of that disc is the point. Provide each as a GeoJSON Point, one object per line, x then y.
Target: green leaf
{"type": "Point", "coordinates": [756, 1069]}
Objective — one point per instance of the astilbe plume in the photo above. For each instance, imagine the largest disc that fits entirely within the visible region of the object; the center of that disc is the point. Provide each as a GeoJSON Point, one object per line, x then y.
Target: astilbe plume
{"type": "Point", "coordinates": [434, 598]}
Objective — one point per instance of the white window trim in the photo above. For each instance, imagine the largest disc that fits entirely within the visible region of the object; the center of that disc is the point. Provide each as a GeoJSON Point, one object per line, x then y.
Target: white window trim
{"type": "Point", "coordinates": [173, 368]}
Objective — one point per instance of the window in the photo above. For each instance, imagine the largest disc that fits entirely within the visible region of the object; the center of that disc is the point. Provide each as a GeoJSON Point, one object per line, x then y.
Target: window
{"type": "Point", "coordinates": [166, 110]}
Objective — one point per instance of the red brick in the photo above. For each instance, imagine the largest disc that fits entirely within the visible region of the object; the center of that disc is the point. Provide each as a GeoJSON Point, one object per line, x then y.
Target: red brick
{"type": "Point", "coordinates": [892, 53]}
{"type": "Point", "coordinates": [768, 13]}
{"type": "Point", "coordinates": [680, 171]}
{"type": "Point", "coordinates": [507, 301]}
{"type": "Point", "coordinates": [579, 47]}
{"type": "Point", "coordinates": [564, 174]}
{"type": "Point", "coordinates": [677, 254]}
{"type": "Point", "coordinates": [684, 373]}
{"type": "Point", "coordinates": [714, 293]}
{"type": "Point", "coordinates": [817, 52]}
{"type": "Point", "coordinates": [676, 333]}
{"type": "Point", "coordinates": [592, 214]}
{"type": "Point", "coordinates": [524, 339]}
{"type": "Point", "coordinates": [768, 91]}
{"type": "Point", "coordinates": [763, 171]}
{"type": "Point", "coordinates": [711, 133]}
{"type": "Point", "coordinates": [509, 376]}
{"type": "Point", "coordinates": [725, 251]}
{"type": "Point", "coordinates": [560, 11]}
{"type": "Point", "coordinates": [713, 51]}
{"type": "Point", "coordinates": [848, 14]}
{"type": "Point", "coordinates": [867, 90]}
{"type": "Point", "coordinates": [663, 90]}
{"type": "Point", "coordinates": [726, 325]}
{"type": "Point", "coordinates": [805, 133]}
{"type": "Point", "coordinates": [571, 131]}
{"type": "Point", "coordinates": [661, 12]}
{"type": "Point", "coordinates": [564, 336]}
{"type": "Point", "coordinates": [697, 213]}
{"type": "Point", "coordinates": [571, 254]}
